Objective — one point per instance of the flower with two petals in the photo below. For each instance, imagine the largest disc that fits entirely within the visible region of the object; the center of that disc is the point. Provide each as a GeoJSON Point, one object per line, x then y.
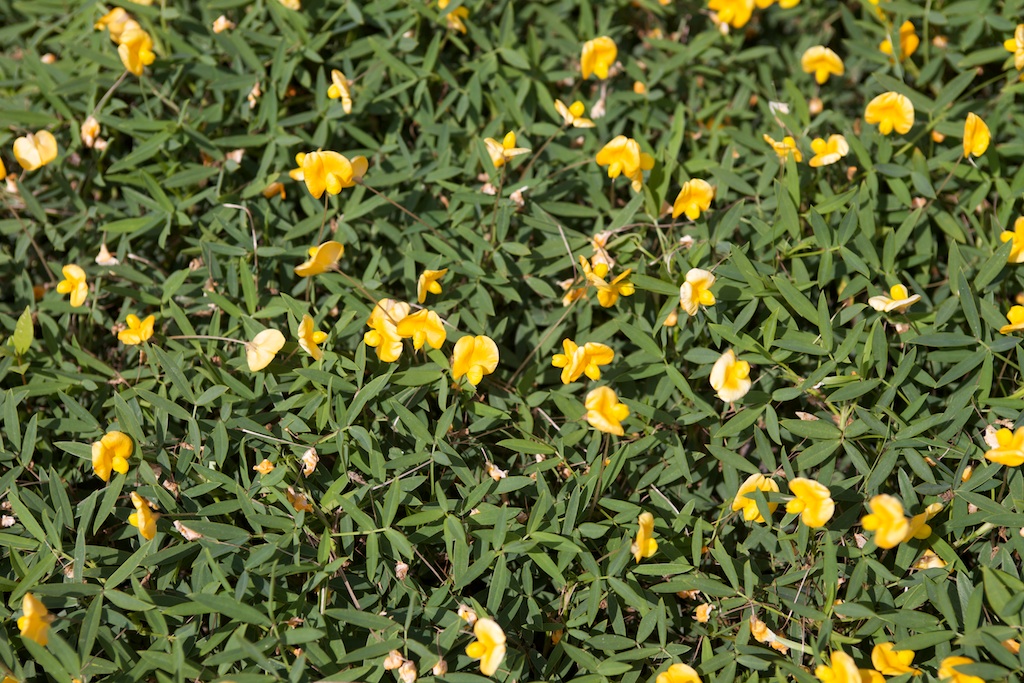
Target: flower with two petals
{"type": "Point", "coordinates": [111, 453]}
{"type": "Point", "coordinates": [136, 50]}
{"type": "Point", "coordinates": [501, 152]}
{"type": "Point", "coordinates": [644, 545]}
{"type": "Point", "coordinates": [35, 150]}
{"type": "Point", "coordinates": [262, 349]}
{"type": "Point", "coordinates": [35, 621]}
{"type": "Point", "coordinates": [730, 377]}
{"type": "Point", "coordinates": [580, 360]}
{"type": "Point", "coordinates": [321, 259]}
{"type": "Point", "coordinates": [598, 57]}
{"type": "Point", "coordinates": [423, 326]}
{"type": "Point", "coordinates": [474, 357]}
{"type": "Point", "coordinates": [886, 520]}
{"type": "Point", "coordinates": [138, 331]}
{"type": "Point", "coordinates": [784, 148]}
{"type": "Point", "coordinates": [679, 673]}
{"type": "Point", "coordinates": [622, 156]}
{"type": "Point", "coordinates": [428, 283]}
{"type": "Point", "coordinates": [489, 646]}
{"type": "Point", "coordinates": [1009, 450]}
{"type": "Point", "coordinates": [339, 90]}
{"type": "Point", "coordinates": [828, 152]}
{"type": "Point", "coordinates": [1016, 46]}
{"type": "Point", "coordinates": [604, 411]}
{"type": "Point", "coordinates": [696, 291]}
{"type": "Point", "coordinates": [143, 518]}
{"type": "Point", "coordinates": [891, 111]}
{"type": "Point", "coordinates": [455, 18]}
{"type": "Point", "coordinates": [1016, 320]}
{"type": "Point", "coordinates": [573, 114]}
{"type": "Point", "coordinates": [310, 338]}
{"type": "Point", "coordinates": [977, 136]}
{"type": "Point", "coordinates": [736, 13]}
{"type": "Point", "coordinates": [813, 502]}
{"type": "Point", "coordinates": [383, 335]}
{"type": "Point", "coordinates": [898, 301]}
{"type": "Point", "coordinates": [74, 284]}
{"type": "Point", "coordinates": [908, 41]}
{"type": "Point", "coordinates": [693, 199]}
{"type": "Point", "coordinates": [755, 482]}
{"type": "Point", "coordinates": [890, 662]}
{"type": "Point", "coordinates": [822, 62]}
{"type": "Point", "coordinates": [327, 171]}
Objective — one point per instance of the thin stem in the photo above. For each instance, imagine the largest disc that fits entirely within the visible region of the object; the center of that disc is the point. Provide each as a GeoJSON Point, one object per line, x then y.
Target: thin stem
{"type": "Point", "coordinates": [323, 221]}
{"type": "Point", "coordinates": [536, 155]}
{"type": "Point", "coordinates": [497, 199]}
{"type": "Point", "coordinates": [103, 100]}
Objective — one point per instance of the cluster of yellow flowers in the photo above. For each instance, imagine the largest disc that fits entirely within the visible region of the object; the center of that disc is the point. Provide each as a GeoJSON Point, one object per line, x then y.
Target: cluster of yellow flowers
{"type": "Point", "coordinates": [888, 662]}
{"type": "Point", "coordinates": [134, 44]}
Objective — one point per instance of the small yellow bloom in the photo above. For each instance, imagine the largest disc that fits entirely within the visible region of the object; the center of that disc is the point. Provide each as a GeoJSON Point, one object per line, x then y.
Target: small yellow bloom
{"type": "Point", "coordinates": [976, 136]}
{"type": "Point", "coordinates": [1012, 645]}
{"type": "Point", "coordinates": [489, 646]}
{"type": "Point", "coordinates": [828, 153]}
{"type": "Point", "coordinates": [579, 360]}
{"type": "Point", "coordinates": [694, 197]}
{"type": "Point", "coordinates": [886, 520]}
{"type": "Point", "coordinates": [755, 482]}
{"type": "Point", "coordinates": [822, 62]}
{"type": "Point", "coordinates": [35, 624]}
{"type": "Point", "coordinates": [1016, 46]}
{"type": "Point", "coordinates": [262, 349]}
{"type": "Point", "coordinates": [1016, 318]}
{"type": "Point", "coordinates": [292, 4]}
{"type": "Point", "coordinates": [736, 13]}
{"type": "Point", "coordinates": [339, 90]}
{"type": "Point", "coordinates": [467, 614]}
{"type": "Point", "coordinates": [948, 670]}
{"type": "Point", "coordinates": [573, 114]}
{"type": "Point", "coordinates": [298, 500]}
{"type": "Point", "coordinates": [428, 283]}
{"type": "Point", "coordinates": [908, 41]}
{"type": "Point", "coordinates": [310, 338]}
{"type": "Point", "coordinates": [321, 259]}
{"type": "Point", "coordinates": [730, 378]}
{"type": "Point", "coordinates": [608, 293]}
{"type": "Point", "coordinates": [623, 156]}
{"type": "Point", "coordinates": [222, 23]}
{"type": "Point", "coordinates": [890, 110]}
{"type": "Point", "coordinates": [679, 673]}
{"type": "Point", "coordinates": [899, 300]}
{"type": "Point", "coordinates": [702, 614]}
{"type": "Point", "coordinates": [761, 632]}
{"type": "Point", "coordinates": [73, 284]}
{"type": "Point", "coordinates": [383, 334]}
{"type": "Point", "coordinates": [929, 560]}
{"type": "Point", "coordinates": [891, 662]}
{"type": "Point", "coordinates": [871, 676]}
{"type": "Point", "coordinates": [842, 670]}
{"type": "Point", "coordinates": [598, 56]}
{"type": "Point", "coordinates": [474, 357]}
{"type": "Point", "coordinates": [136, 50]}
{"type": "Point", "coordinates": [330, 172]}
{"type": "Point", "coordinates": [138, 330]}
{"type": "Point", "coordinates": [454, 19]}
{"type": "Point", "coordinates": [644, 545]}
{"type": "Point", "coordinates": [639, 88]}
{"type": "Point", "coordinates": [696, 291]}
{"type": "Point", "coordinates": [89, 131]}
{"type": "Point", "coordinates": [274, 189]}
{"type": "Point", "coordinates": [918, 526]}
{"type": "Point", "coordinates": [111, 453]}
{"type": "Point", "coordinates": [265, 467]}
{"type": "Point", "coordinates": [423, 326]}
{"type": "Point", "coordinates": [500, 152]}
{"type": "Point", "coordinates": [117, 21]}
{"type": "Point", "coordinates": [1017, 235]}
{"type": "Point", "coordinates": [813, 502]}
{"type": "Point", "coordinates": [143, 518]}
{"type": "Point", "coordinates": [35, 150]}
{"type": "Point", "coordinates": [1010, 448]}
{"type": "Point", "coordinates": [784, 148]}
{"type": "Point", "coordinates": [604, 411]}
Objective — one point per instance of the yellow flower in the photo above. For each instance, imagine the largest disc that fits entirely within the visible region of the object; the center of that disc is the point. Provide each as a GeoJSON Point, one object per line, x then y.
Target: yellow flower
{"type": "Point", "coordinates": [274, 189]}
{"type": "Point", "coordinates": [222, 23]}
{"type": "Point", "coordinates": [644, 545]}
{"type": "Point", "coordinates": [467, 614]}
{"type": "Point", "coordinates": [813, 502]}
{"type": "Point", "coordinates": [947, 670]}
{"type": "Point", "coordinates": [1017, 235]}
{"type": "Point", "coordinates": [890, 110]}
{"type": "Point", "coordinates": [822, 62]}
{"type": "Point", "coordinates": [422, 326]}
{"type": "Point", "coordinates": [679, 673]}
{"type": "Point", "coordinates": [321, 259]}
{"type": "Point", "coordinates": [383, 334]}
{"type": "Point", "coordinates": [598, 56]}
{"type": "Point", "coordinates": [136, 50]}
{"type": "Point", "coordinates": [573, 114]}
{"type": "Point", "coordinates": [310, 338]}
{"type": "Point", "coordinates": [330, 171]}
{"type": "Point", "coordinates": [976, 136]}
{"type": "Point", "coordinates": [730, 378]}
{"type": "Point", "coordinates": [455, 18]}
{"type": "Point", "coordinates": [138, 330]}
{"type": "Point", "coordinates": [785, 148]}
{"type": "Point", "coordinates": [736, 13]}
{"type": "Point", "coordinates": [339, 90]}
{"type": "Point", "coordinates": [1010, 448]}
{"type": "Point", "coordinates": [428, 283]}
{"type": "Point", "coordinates": [89, 131]}
{"type": "Point", "coordinates": [755, 482]}
{"type": "Point", "coordinates": [891, 662]}
{"type": "Point", "coordinates": [871, 676]}
{"type": "Point", "coordinates": [828, 153]}
{"type": "Point", "coordinates": [604, 411]}
{"type": "Point", "coordinates": [111, 453]}
{"type": "Point", "coordinates": [1016, 318]}
{"type": "Point", "coordinates": [474, 357]}
{"type": "Point", "coordinates": [292, 4]}
{"type": "Point", "coordinates": [623, 155]}
{"type": "Point", "coordinates": [35, 150]}
{"type": "Point", "coordinates": [265, 467]}
{"type": "Point", "coordinates": [500, 152]}
{"type": "Point", "coordinates": [703, 613]}
{"type": "Point", "coordinates": [694, 197]}
{"type": "Point", "coordinates": [843, 670]}
{"type": "Point", "coordinates": [578, 360]}
{"type": "Point", "coordinates": [908, 41]}
{"type": "Point", "coordinates": [607, 292]}
{"type": "Point", "coordinates": [117, 21]}
{"type": "Point", "coordinates": [886, 520]}
{"type": "Point", "coordinates": [262, 349]}
{"type": "Point", "coordinates": [35, 623]}
{"type": "Point", "coordinates": [1016, 46]}
{"type": "Point", "coordinates": [73, 284]}
{"type": "Point", "coordinates": [760, 631]}
{"type": "Point", "coordinates": [489, 646]}
{"type": "Point", "coordinates": [899, 300]}
{"type": "Point", "coordinates": [929, 560]}
{"type": "Point", "coordinates": [143, 518]}
{"type": "Point", "coordinates": [918, 526]}
{"type": "Point", "coordinates": [298, 500]}
{"type": "Point", "coordinates": [696, 291]}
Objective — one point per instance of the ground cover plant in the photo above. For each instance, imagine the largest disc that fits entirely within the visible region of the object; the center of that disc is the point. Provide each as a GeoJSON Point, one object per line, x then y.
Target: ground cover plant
{"type": "Point", "coordinates": [617, 341]}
